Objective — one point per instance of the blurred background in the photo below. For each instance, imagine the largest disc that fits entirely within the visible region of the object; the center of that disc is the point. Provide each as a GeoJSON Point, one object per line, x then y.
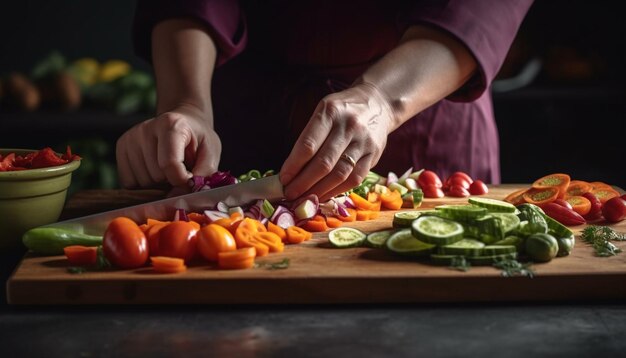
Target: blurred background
{"type": "Point", "coordinates": [559, 99]}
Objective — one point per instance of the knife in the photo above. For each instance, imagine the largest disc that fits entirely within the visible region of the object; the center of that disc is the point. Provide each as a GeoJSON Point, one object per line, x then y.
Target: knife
{"type": "Point", "coordinates": [268, 188]}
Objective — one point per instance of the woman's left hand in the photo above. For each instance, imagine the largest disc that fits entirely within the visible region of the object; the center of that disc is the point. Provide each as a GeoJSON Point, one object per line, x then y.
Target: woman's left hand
{"type": "Point", "coordinates": [342, 141]}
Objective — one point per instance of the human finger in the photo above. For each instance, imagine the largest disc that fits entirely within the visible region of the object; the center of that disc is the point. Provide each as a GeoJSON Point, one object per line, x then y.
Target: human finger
{"type": "Point", "coordinates": [151, 161]}
{"type": "Point", "coordinates": [170, 156]}
{"type": "Point", "coordinates": [125, 172]}
{"type": "Point", "coordinates": [342, 171]}
{"type": "Point", "coordinates": [308, 143]}
{"type": "Point", "coordinates": [354, 179]}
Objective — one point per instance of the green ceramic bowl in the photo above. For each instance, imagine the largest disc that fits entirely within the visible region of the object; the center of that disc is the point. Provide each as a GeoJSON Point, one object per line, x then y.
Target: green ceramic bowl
{"type": "Point", "coordinates": [31, 198]}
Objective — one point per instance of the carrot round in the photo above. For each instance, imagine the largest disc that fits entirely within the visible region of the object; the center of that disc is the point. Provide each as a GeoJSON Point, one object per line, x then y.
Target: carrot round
{"type": "Point", "coordinates": [315, 225]}
{"type": "Point", "coordinates": [271, 240]}
{"type": "Point", "coordinates": [271, 227]}
{"type": "Point", "coordinates": [79, 255]}
{"type": "Point", "coordinates": [333, 222]}
{"type": "Point", "coordinates": [165, 264]}
{"type": "Point", "coordinates": [296, 235]}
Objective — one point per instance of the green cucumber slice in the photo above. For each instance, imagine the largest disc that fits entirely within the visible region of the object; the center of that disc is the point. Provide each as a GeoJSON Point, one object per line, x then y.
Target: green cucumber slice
{"type": "Point", "coordinates": [377, 239]}
{"type": "Point", "coordinates": [446, 260]}
{"type": "Point", "coordinates": [344, 237]}
{"type": "Point", "coordinates": [399, 187]}
{"type": "Point", "coordinates": [462, 212]}
{"type": "Point", "coordinates": [437, 231]}
{"type": "Point", "coordinates": [402, 242]}
{"type": "Point", "coordinates": [516, 241]}
{"type": "Point", "coordinates": [498, 249]}
{"type": "Point", "coordinates": [493, 205]}
{"type": "Point", "coordinates": [464, 247]}
{"type": "Point", "coordinates": [510, 221]}
{"type": "Point", "coordinates": [489, 260]}
{"type": "Point", "coordinates": [405, 218]}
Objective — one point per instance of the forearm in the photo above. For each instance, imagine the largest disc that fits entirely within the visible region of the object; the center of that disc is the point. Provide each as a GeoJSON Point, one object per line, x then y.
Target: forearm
{"type": "Point", "coordinates": [184, 57]}
{"type": "Point", "coordinates": [424, 68]}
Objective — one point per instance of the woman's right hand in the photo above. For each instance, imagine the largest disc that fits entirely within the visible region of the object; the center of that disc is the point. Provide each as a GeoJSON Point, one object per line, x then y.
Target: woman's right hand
{"type": "Point", "coordinates": [170, 147]}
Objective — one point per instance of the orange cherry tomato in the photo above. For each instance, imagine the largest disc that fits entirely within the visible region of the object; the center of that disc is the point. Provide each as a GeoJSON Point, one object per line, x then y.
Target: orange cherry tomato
{"type": "Point", "coordinates": [179, 239]}
{"type": "Point", "coordinates": [579, 204]}
{"type": "Point", "coordinates": [214, 239]}
{"type": "Point", "coordinates": [124, 244]}
{"type": "Point", "coordinates": [541, 196]}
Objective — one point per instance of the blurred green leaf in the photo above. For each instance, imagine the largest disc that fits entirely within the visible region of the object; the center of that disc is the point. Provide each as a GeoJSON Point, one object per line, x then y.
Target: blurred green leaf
{"type": "Point", "coordinates": [52, 64]}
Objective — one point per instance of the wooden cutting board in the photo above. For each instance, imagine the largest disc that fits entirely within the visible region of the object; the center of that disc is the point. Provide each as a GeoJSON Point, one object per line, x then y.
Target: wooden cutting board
{"type": "Point", "coordinates": [321, 274]}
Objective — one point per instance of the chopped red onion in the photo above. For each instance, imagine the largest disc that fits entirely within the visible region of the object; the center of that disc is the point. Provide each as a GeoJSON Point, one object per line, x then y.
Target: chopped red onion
{"type": "Point", "coordinates": [214, 215]}
{"type": "Point", "coordinates": [342, 210]}
{"type": "Point", "coordinates": [285, 220]}
{"type": "Point", "coordinates": [391, 178]}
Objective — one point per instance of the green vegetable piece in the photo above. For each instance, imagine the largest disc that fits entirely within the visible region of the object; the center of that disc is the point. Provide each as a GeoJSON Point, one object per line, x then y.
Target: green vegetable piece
{"type": "Point", "coordinates": [437, 231]}
{"type": "Point", "coordinates": [51, 241]}
{"type": "Point", "coordinates": [345, 237]}
{"type": "Point", "coordinates": [377, 239]}
{"type": "Point", "coordinates": [541, 247]}
{"type": "Point", "coordinates": [404, 243]}
{"type": "Point", "coordinates": [566, 244]}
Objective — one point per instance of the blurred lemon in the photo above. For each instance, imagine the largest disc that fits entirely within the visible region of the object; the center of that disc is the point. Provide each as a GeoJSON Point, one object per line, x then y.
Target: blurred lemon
{"type": "Point", "coordinates": [112, 70]}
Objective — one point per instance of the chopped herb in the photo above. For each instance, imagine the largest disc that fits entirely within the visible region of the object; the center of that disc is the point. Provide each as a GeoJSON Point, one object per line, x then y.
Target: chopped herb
{"type": "Point", "coordinates": [460, 263]}
{"type": "Point", "coordinates": [600, 237]}
{"type": "Point", "coordinates": [512, 267]}
{"type": "Point", "coordinates": [101, 260]}
{"type": "Point", "coordinates": [279, 265]}
{"type": "Point", "coordinates": [76, 270]}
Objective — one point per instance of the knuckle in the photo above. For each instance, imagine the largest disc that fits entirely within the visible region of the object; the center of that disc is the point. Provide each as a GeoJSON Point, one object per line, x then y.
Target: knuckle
{"type": "Point", "coordinates": [355, 179]}
{"type": "Point", "coordinates": [308, 145]}
{"type": "Point", "coordinates": [332, 107]}
{"type": "Point", "coordinates": [343, 171]}
{"type": "Point", "coordinates": [325, 164]}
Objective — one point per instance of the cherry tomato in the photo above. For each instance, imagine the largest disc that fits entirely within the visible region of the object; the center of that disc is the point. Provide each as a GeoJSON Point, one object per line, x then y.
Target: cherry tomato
{"type": "Point", "coordinates": [478, 188]}
{"type": "Point", "coordinates": [178, 239]}
{"type": "Point", "coordinates": [432, 191]}
{"type": "Point", "coordinates": [214, 239]}
{"type": "Point", "coordinates": [595, 211]}
{"type": "Point", "coordinates": [462, 175]}
{"type": "Point", "coordinates": [458, 181]}
{"type": "Point", "coordinates": [563, 203]}
{"type": "Point", "coordinates": [614, 209]}
{"type": "Point", "coordinates": [429, 178]}
{"type": "Point", "coordinates": [124, 244]}
{"type": "Point", "coordinates": [458, 191]}
{"type": "Point", "coordinates": [623, 196]}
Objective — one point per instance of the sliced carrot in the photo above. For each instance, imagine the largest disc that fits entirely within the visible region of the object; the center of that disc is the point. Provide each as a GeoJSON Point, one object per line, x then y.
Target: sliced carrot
{"type": "Point", "coordinates": [271, 227]}
{"type": "Point", "coordinates": [373, 197]}
{"type": "Point", "coordinates": [165, 264]}
{"type": "Point", "coordinates": [165, 261]}
{"type": "Point", "coordinates": [152, 222]}
{"type": "Point", "coordinates": [236, 215]}
{"type": "Point", "coordinates": [333, 222]}
{"type": "Point", "coordinates": [604, 194]}
{"type": "Point", "coordinates": [391, 200]}
{"type": "Point", "coordinates": [315, 225]}
{"type": "Point", "coordinates": [556, 180]}
{"type": "Point", "coordinates": [360, 202]}
{"type": "Point", "coordinates": [579, 204]}
{"type": "Point", "coordinates": [236, 265]}
{"type": "Point", "coordinates": [350, 218]}
{"type": "Point", "coordinates": [244, 253]}
{"type": "Point", "coordinates": [296, 234]}
{"type": "Point", "coordinates": [374, 214]}
{"type": "Point", "coordinates": [270, 239]}
{"type": "Point", "coordinates": [363, 215]}
{"type": "Point", "coordinates": [516, 197]}
{"type": "Point", "coordinates": [251, 224]}
{"type": "Point", "coordinates": [79, 255]}
{"type": "Point", "coordinates": [223, 222]}
{"type": "Point", "coordinates": [244, 237]}
{"type": "Point", "coordinates": [599, 185]}
{"type": "Point", "coordinates": [541, 196]}
{"type": "Point", "coordinates": [578, 188]}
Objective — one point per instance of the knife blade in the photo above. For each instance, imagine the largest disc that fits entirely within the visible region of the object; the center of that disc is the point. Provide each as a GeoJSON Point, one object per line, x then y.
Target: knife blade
{"type": "Point", "coordinates": [268, 188]}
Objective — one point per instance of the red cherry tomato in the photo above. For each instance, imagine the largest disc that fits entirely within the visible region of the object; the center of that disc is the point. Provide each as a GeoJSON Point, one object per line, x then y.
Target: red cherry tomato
{"type": "Point", "coordinates": [214, 239]}
{"type": "Point", "coordinates": [462, 175]}
{"type": "Point", "coordinates": [429, 178]}
{"type": "Point", "coordinates": [432, 191]}
{"type": "Point", "coordinates": [124, 244]}
{"type": "Point", "coordinates": [478, 188]}
{"type": "Point", "coordinates": [623, 196]}
{"type": "Point", "coordinates": [178, 239]}
{"type": "Point", "coordinates": [458, 191]}
{"type": "Point", "coordinates": [614, 210]}
{"type": "Point", "coordinates": [563, 203]}
{"type": "Point", "coordinates": [595, 212]}
{"type": "Point", "coordinates": [458, 181]}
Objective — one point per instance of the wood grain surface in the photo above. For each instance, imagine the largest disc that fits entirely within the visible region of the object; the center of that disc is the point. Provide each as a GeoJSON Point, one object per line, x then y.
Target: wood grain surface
{"type": "Point", "coordinates": [321, 274]}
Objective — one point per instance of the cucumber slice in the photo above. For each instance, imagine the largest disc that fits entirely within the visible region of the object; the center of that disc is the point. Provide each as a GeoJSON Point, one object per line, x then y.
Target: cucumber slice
{"type": "Point", "coordinates": [377, 239]}
{"type": "Point", "coordinates": [405, 218]}
{"type": "Point", "coordinates": [489, 260]}
{"type": "Point", "coordinates": [404, 243]}
{"type": "Point", "coordinates": [399, 187]}
{"type": "Point", "coordinates": [464, 247]}
{"type": "Point", "coordinates": [493, 205]}
{"type": "Point", "coordinates": [437, 231]}
{"type": "Point", "coordinates": [346, 237]}
{"type": "Point", "coordinates": [510, 221]}
{"type": "Point", "coordinates": [516, 241]}
{"type": "Point", "coordinates": [462, 212]}
{"type": "Point", "coordinates": [498, 249]}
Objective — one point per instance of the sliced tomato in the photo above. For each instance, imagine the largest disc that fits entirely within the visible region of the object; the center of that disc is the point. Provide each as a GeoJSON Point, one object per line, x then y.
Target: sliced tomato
{"type": "Point", "coordinates": [578, 188]}
{"type": "Point", "coordinates": [604, 194]}
{"type": "Point", "coordinates": [556, 180]}
{"type": "Point", "coordinates": [516, 197]}
{"type": "Point", "coordinates": [540, 196]}
{"type": "Point", "coordinates": [579, 204]}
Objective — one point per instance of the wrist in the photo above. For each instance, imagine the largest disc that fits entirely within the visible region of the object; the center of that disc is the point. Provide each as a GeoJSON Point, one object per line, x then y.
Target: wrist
{"type": "Point", "coordinates": [192, 109]}
{"type": "Point", "coordinates": [376, 95]}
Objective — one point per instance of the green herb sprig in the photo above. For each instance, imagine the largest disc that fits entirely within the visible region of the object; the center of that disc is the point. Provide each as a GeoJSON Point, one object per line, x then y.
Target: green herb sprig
{"type": "Point", "coordinates": [600, 237]}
